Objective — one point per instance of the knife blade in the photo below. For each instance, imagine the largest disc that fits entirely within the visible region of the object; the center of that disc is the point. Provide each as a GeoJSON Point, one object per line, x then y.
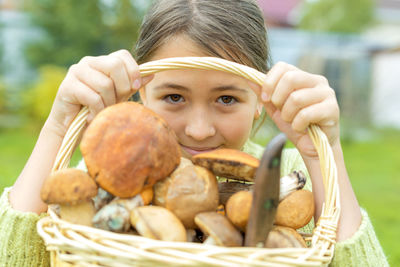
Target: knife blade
{"type": "Point", "coordinates": [265, 194]}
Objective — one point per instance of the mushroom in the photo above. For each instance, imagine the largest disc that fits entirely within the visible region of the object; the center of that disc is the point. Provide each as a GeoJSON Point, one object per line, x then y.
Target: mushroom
{"type": "Point", "coordinates": [73, 190]}
{"type": "Point", "coordinates": [188, 191]}
{"type": "Point", "coordinates": [158, 223]}
{"type": "Point", "coordinates": [227, 189]}
{"type": "Point", "coordinates": [115, 215]}
{"type": "Point", "coordinates": [284, 237]}
{"type": "Point", "coordinates": [228, 163]}
{"type": "Point", "coordinates": [128, 147]}
{"type": "Point", "coordinates": [218, 229]}
{"type": "Point", "coordinates": [288, 184]}
{"type": "Point", "coordinates": [238, 209]}
{"type": "Point", "coordinates": [102, 198]}
{"type": "Point", "coordinates": [296, 210]}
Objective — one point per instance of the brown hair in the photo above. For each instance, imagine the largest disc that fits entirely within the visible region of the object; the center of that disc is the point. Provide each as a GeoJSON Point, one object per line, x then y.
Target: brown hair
{"type": "Point", "coordinates": [230, 29]}
{"type": "Point", "coordinates": [233, 28]}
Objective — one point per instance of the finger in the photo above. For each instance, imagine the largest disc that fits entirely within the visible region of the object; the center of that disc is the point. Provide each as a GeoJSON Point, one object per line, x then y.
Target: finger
{"type": "Point", "coordinates": [272, 79]}
{"type": "Point", "coordinates": [300, 99]}
{"type": "Point", "coordinates": [98, 82]}
{"type": "Point", "coordinates": [324, 114]}
{"type": "Point", "coordinates": [113, 67]}
{"type": "Point", "coordinates": [255, 87]}
{"type": "Point", "coordinates": [84, 95]}
{"type": "Point", "coordinates": [147, 79]}
{"type": "Point", "coordinates": [131, 67]}
{"type": "Point", "coordinates": [293, 80]}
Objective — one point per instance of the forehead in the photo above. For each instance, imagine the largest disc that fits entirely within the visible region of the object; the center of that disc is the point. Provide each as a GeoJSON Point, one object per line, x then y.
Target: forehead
{"type": "Point", "coordinates": [178, 46]}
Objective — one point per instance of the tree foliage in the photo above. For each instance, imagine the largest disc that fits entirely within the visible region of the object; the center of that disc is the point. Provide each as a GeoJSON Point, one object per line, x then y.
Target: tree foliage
{"type": "Point", "coordinates": [74, 29]}
{"type": "Point", "coordinates": [38, 99]}
{"type": "Point", "coordinates": [346, 16]}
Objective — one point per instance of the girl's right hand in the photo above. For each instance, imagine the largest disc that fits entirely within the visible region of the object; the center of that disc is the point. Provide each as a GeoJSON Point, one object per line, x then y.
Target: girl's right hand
{"type": "Point", "coordinates": [96, 82]}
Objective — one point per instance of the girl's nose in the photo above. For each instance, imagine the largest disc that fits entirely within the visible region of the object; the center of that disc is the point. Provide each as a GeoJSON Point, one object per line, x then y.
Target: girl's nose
{"type": "Point", "coordinates": [199, 126]}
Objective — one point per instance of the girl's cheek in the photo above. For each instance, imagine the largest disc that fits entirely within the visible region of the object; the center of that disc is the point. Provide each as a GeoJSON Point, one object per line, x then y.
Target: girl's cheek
{"type": "Point", "coordinates": [236, 129]}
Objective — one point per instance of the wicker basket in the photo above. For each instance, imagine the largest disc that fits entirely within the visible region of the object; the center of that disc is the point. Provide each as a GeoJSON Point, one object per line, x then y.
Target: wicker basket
{"type": "Point", "coordinates": [77, 245]}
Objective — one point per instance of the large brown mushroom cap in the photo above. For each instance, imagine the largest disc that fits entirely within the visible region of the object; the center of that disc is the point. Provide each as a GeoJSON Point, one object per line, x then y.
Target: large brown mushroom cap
{"type": "Point", "coordinates": [188, 191]}
{"type": "Point", "coordinates": [127, 147]}
{"type": "Point", "coordinates": [68, 187]}
{"type": "Point", "coordinates": [228, 163]}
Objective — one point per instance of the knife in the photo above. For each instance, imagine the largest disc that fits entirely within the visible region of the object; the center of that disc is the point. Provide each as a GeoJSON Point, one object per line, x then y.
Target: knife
{"type": "Point", "coordinates": [265, 194]}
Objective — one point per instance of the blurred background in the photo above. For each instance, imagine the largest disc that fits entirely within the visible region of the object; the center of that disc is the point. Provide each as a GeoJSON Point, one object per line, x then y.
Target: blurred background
{"type": "Point", "coordinates": [354, 43]}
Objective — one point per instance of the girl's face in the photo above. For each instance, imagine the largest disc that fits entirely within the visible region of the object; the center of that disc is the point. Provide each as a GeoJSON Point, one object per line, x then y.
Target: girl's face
{"type": "Point", "coordinates": [206, 109]}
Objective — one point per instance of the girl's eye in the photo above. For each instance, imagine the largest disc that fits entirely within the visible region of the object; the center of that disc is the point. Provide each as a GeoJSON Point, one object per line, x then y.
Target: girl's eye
{"type": "Point", "coordinates": [174, 98]}
{"type": "Point", "coordinates": [227, 100]}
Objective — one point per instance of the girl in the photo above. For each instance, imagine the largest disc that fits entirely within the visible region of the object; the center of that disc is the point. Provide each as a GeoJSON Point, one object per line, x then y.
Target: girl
{"type": "Point", "coordinates": [206, 109]}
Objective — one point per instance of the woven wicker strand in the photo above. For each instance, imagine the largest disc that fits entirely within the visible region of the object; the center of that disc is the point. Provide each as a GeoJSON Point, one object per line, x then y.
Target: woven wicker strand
{"type": "Point", "coordinates": [77, 245]}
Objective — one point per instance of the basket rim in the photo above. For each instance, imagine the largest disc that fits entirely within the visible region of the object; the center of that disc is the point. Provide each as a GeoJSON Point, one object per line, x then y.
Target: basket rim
{"type": "Point", "coordinates": [324, 234]}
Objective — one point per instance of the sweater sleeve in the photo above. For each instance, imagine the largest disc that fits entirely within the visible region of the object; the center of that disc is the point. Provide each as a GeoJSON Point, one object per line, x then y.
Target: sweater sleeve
{"type": "Point", "coordinates": [363, 248]}
{"type": "Point", "coordinates": [20, 246]}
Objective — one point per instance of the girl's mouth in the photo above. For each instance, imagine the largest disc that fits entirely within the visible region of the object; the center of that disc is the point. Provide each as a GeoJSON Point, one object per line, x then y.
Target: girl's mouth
{"type": "Point", "coordinates": [197, 150]}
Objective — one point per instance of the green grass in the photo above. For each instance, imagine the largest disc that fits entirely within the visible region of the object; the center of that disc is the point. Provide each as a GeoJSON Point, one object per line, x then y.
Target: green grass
{"type": "Point", "coordinates": [373, 166]}
{"type": "Point", "coordinates": [374, 169]}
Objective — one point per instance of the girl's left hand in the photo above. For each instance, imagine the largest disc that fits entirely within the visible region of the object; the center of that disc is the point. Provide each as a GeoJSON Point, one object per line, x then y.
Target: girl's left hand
{"type": "Point", "coordinates": [294, 99]}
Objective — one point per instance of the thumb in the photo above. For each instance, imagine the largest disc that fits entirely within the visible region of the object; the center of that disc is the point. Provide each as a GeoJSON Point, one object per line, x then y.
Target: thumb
{"type": "Point", "coordinates": [147, 79]}
{"type": "Point", "coordinates": [255, 87]}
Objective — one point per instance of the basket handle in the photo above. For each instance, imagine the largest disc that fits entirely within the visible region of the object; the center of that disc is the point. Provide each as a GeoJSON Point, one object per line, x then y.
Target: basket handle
{"type": "Point", "coordinates": [326, 226]}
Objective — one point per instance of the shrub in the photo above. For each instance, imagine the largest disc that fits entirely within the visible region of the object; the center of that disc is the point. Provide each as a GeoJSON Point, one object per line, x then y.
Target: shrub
{"type": "Point", "coordinates": [39, 98]}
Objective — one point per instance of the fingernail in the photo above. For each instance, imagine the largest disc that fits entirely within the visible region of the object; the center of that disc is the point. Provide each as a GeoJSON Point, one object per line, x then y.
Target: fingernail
{"type": "Point", "coordinates": [264, 96]}
{"type": "Point", "coordinates": [137, 84]}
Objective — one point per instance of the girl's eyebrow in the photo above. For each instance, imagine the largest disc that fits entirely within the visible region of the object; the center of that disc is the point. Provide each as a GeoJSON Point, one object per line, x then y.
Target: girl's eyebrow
{"type": "Point", "coordinates": [171, 85]}
{"type": "Point", "coordinates": [230, 88]}
{"type": "Point", "coordinates": [183, 88]}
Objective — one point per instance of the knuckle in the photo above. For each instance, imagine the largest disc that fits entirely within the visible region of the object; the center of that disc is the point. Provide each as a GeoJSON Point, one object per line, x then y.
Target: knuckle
{"type": "Point", "coordinates": [73, 68]}
{"type": "Point", "coordinates": [115, 62]}
{"type": "Point", "coordinates": [322, 79]}
{"type": "Point", "coordinates": [124, 52]}
{"type": "Point", "coordinates": [296, 99]}
{"type": "Point", "coordinates": [303, 115]}
{"type": "Point", "coordinates": [96, 100]}
{"type": "Point", "coordinates": [289, 76]}
{"type": "Point", "coordinates": [107, 84]}
{"type": "Point", "coordinates": [281, 64]}
{"type": "Point", "coordinates": [332, 92]}
{"type": "Point", "coordinates": [85, 60]}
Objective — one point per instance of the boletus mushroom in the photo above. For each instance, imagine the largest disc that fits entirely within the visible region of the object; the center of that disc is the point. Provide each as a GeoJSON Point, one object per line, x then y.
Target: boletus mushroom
{"type": "Point", "coordinates": [158, 223]}
{"type": "Point", "coordinates": [284, 237]}
{"type": "Point", "coordinates": [238, 209]}
{"type": "Point", "coordinates": [189, 190]}
{"type": "Point", "coordinates": [128, 147]}
{"type": "Point", "coordinates": [115, 216]}
{"type": "Point", "coordinates": [296, 210]}
{"type": "Point", "coordinates": [218, 229]}
{"type": "Point", "coordinates": [73, 190]}
{"type": "Point", "coordinates": [228, 163]}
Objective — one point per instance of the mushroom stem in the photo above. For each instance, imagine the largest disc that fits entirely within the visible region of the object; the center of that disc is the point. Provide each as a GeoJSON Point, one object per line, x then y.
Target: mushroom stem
{"type": "Point", "coordinates": [81, 213]}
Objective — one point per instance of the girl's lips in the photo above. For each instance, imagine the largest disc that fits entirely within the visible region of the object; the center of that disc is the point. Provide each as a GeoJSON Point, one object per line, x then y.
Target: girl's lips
{"type": "Point", "coordinates": [194, 151]}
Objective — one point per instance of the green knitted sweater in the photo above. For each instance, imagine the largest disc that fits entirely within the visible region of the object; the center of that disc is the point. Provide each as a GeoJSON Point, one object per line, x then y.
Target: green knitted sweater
{"type": "Point", "coordinates": [21, 245]}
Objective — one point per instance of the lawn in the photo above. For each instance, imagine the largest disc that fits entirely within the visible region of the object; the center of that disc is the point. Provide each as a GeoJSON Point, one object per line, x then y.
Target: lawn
{"type": "Point", "coordinates": [374, 168]}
